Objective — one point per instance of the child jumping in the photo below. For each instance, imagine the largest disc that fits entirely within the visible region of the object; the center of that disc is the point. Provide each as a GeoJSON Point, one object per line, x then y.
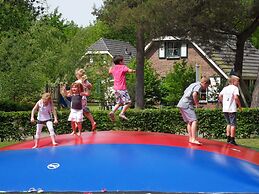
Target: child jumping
{"type": "Point", "coordinates": [119, 71]}
{"type": "Point", "coordinates": [45, 109]}
{"type": "Point", "coordinates": [82, 79]}
{"type": "Point", "coordinates": [230, 101]}
{"type": "Point", "coordinates": [76, 93]}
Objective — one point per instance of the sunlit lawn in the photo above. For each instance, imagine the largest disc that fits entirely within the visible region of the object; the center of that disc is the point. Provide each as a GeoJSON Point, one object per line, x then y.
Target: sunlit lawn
{"type": "Point", "coordinates": [249, 143]}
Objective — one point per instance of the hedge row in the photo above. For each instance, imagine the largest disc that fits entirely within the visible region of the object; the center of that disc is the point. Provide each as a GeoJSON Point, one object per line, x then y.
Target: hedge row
{"type": "Point", "coordinates": [17, 126]}
{"type": "Point", "coordinates": [9, 106]}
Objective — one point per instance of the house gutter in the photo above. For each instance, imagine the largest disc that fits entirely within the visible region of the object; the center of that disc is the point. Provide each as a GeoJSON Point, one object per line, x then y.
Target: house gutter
{"type": "Point", "coordinates": [98, 52]}
{"type": "Point", "coordinates": [210, 60]}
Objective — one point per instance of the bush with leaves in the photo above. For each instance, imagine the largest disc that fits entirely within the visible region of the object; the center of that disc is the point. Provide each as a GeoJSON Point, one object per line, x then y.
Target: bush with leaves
{"type": "Point", "coordinates": [175, 82]}
{"type": "Point", "coordinates": [152, 94]}
{"type": "Point", "coordinates": [17, 126]}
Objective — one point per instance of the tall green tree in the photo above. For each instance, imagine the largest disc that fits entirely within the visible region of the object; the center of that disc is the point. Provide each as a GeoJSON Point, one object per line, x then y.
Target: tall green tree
{"type": "Point", "coordinates": [18, 15]}
{"type": "Point", "coordinates": [175, 82]}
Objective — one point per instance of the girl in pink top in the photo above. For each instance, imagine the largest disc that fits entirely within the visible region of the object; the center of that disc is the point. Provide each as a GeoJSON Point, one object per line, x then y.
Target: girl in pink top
{"type": "Point", "coordinates": [119, 71]}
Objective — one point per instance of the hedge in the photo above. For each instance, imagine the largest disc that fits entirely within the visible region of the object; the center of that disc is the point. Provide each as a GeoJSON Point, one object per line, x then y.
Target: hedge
{"type": "Point", "coordinates": [17, 126]}
{"type": "Point", "coordinates": [9, 106]}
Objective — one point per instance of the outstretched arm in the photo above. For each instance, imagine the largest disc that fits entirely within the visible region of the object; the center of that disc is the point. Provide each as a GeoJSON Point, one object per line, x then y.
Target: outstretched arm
{"type": "Point", "coordinates": [63, 90]}
{"type": "Point", "coordinates": [110, 70]}
{"type": "Point", "coordinates": [131, 70]}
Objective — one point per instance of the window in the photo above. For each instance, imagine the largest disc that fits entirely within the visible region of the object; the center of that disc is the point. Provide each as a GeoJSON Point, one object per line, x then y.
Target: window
{"type": "Point", "coordinates": [172, 50]}
{"type": "Point", "coordinates": [210, 94]}
{"type": "Point", "coordinates": [213, 89]}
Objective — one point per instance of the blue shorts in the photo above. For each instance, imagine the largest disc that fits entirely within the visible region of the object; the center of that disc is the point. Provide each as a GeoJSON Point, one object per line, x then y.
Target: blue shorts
{"type": "Point", "coordinates": [231, 118]}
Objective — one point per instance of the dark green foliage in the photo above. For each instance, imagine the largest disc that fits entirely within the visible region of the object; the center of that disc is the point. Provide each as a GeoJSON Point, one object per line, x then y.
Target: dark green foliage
{"type": "Point", "coordinates": [152, 94]}
{"type": "Point", "coordinates": [17, 126]}
{"type": "Point", "coordinates": [18, 15]}
{"type": "Point", "coordinates": [9, 106]}
{"type": "Point", "coordinates": [255, 38]}
{"type": "Point", "coordinates": [175, 82]}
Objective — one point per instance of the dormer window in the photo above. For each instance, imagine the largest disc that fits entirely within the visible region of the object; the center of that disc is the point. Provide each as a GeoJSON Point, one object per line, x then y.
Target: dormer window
{"type": "Point", "coordinates": [173, 50]}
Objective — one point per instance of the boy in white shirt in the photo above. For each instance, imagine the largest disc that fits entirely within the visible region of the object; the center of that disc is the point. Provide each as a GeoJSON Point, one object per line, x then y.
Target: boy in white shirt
{"type": "Point", "coordinates": [229, 97]}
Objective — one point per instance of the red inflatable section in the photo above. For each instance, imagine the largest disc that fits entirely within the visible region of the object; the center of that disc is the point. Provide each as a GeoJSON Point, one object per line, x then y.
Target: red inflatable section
{"type": "Point", "coordinates": [151, 138]}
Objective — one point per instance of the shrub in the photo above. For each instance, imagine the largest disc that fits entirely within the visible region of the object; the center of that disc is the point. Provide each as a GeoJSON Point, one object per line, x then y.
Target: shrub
{"type": "Point", "coordinates": [9, 106]}
{"type": "Point", "coordinates": [17, 126]}
{"type": "Point", "coordinates": [173, 85]}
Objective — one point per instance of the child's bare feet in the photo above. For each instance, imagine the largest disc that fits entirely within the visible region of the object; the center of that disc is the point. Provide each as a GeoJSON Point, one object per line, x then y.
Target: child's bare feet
{"type": "Point", "coordinates": [94, 126]}
{"type": "Point", "coordinates": [123, 117]}
{"type": "Point", "coordinates": [112, 116]}
{"type": "Point", "coordinates": [73, 133]}
{"type": "Point", "coordinates": [79, 133]}
{"type": "Point", "coordinates": [196, 142]}
{"type": "Point", "coordinates": [55, 144]}
{"type": "Point", "coordinates": [35, 146]}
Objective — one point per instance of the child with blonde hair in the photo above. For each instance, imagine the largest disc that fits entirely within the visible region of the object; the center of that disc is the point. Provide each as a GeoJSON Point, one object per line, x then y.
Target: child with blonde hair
{"type": "Point", "coordinates": [45, 109]}
{"type": "Point", "coordinates": [82, 79]}
{"type": "Point", "coordinates": [76, 93]}
{"type": "Point", "coordinates": [229, 97]}
{"type": "Point", "coordinates": [187, 103]}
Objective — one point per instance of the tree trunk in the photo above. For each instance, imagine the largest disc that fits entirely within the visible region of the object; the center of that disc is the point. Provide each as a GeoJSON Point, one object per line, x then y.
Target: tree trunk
{"type": "Point", "coordinates": [238, 67]}
{"type": "Point", "coordinates": [139, 95]}
{"type": "Point", "coordinates": [239, 56]}
{"type": "Point", "coordinates": [255, 96]}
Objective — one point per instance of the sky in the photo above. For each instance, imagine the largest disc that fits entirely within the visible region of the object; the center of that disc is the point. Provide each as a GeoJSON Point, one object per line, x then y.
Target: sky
{"type": "Point", "coordinates": [77, 10]}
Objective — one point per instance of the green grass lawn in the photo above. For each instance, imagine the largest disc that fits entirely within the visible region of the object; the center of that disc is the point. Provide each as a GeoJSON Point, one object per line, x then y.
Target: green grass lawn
{"type": "Point", "coordinates": [249, 143]}
{"type": "Point", "coordinates": [6, 143]}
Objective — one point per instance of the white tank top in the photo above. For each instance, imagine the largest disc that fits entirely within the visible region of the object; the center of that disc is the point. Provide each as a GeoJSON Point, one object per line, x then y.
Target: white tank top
{"type": "Point", "coordinates": [44, 113]}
